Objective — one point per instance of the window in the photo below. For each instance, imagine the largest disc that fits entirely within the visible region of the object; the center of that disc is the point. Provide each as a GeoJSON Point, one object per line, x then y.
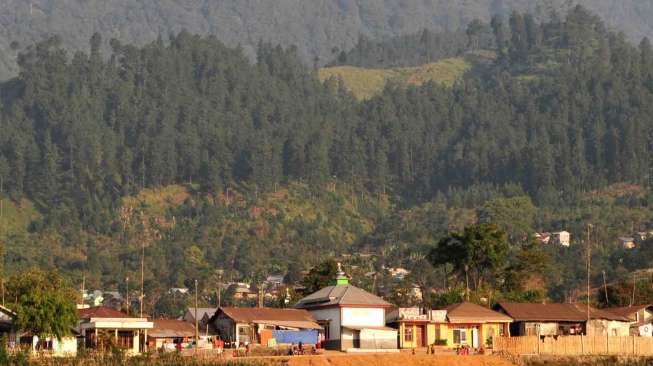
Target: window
{"type": "Point", "coordinates": [408, 334]}
{"type": "Point", "coordinates": [460, 336]}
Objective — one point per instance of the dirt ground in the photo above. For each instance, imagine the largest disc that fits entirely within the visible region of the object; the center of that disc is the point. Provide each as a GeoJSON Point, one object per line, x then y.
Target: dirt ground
{"type": "Point", "coordinates": [400, 359]}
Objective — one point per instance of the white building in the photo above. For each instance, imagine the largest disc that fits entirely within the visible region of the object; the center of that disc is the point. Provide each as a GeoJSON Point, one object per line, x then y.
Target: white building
{"type": "Point", "coordinates": [353, 319]}
{"type": "Point", "coordinates": [562, 238]}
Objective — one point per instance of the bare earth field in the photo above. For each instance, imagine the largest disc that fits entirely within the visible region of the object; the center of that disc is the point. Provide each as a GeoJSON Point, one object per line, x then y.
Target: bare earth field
{"type": "Point", "coordinates": [401, 359]}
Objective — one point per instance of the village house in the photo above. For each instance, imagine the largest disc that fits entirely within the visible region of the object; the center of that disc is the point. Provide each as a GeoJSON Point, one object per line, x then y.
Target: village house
{"type": "Point", "coordinates": [417, 327]}
{"type": "Point", "coordinates": [562, 319]}
{"type": "Point", "coordinates": [167, 333]}
{"type": "Point", "coordinates": [543, 238]}
{"type": "Point", "coordinates": [353, 319]}
{"type": "Point", "coordinates": [65, 347]}
{"type": "Point", "coordinates": [98, 326]}
{"type": "Point", "coordinates": [203, 318]}
{"type": "Point", "coordinates": [626, 242]}
{"type": "Point", "coordinates": [467, 324]}
{"type": "Point", "coordinates": [241, 326]}
{"type": "Point", "coordinates": [640, 317]}
{"type": "Point", "coordinates": [562, 238]}
{"type": "Point", "coordinates": [243, 291]}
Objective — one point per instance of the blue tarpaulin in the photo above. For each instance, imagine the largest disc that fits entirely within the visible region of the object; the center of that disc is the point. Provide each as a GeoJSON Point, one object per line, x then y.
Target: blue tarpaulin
{"type": "Point", "coordinates": [295, 336]}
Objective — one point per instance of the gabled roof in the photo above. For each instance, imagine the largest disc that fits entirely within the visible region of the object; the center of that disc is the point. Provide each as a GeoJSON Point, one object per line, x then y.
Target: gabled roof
{"type": "Point", "coordinates": [341, 295]}
{"type": "Point", "coordinates": [201, 312]}
{"type": "Point", "coordinates": [100, 312]}
{"type": "Point", "coordinates": [168, 328]}
{"type": "Point", "coordinates": [627, 311]}
{"type": "Point", "coordinates": [291, 318]}
{"type": "Point", "coordinates": [466, 312]}
{"type": "Point", "coordinates": [556, 312]}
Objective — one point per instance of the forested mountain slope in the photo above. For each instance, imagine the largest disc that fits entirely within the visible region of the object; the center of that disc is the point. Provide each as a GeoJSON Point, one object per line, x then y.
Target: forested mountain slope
{"type": "Point", "coordinates": [279, 169]}
{"type": "Point", "coordinates": [316, 27]}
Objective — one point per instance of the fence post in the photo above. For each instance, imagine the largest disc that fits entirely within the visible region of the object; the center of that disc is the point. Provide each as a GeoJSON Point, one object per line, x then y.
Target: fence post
{"type": "Point", "coordinates": [633, 345]}
{"type": "Point", "coordinates": [607, 343]}
{"type": "Point", "coordinates": [538, 339]}
{"type": "Point", "coordinates": [582, 345]}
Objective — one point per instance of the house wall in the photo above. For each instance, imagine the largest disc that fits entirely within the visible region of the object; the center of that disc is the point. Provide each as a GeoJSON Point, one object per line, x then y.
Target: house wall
{"type": "Point", "coordinates": [378, 339]}
{"type": "Point", "coordinates": [66, 347]}
{"type": "Point", "coordinates": [225, 327]}
{"type": "Point", "coordinates": [363, 317]}
{"type": "Point", "coordinates": [598, 327]}
{"type": "Point", "coordinates": [348, 338]}
{"type": "Point", "coordinates": [333, 316]}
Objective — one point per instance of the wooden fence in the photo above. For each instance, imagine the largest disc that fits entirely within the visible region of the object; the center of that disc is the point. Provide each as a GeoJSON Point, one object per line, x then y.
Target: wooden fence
{"type": "Point", "coordinates": [575, 345]}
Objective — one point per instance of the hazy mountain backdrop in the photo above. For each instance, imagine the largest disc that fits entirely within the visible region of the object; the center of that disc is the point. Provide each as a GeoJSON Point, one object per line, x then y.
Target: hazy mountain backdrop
{"type": "Point", "coordinates": [316, 27]}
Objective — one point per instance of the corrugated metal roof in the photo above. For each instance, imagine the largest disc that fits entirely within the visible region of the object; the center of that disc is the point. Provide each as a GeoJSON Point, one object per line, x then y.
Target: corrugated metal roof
{"type": "Point", "coordinates": [341, 295]}
{"type": "Point", "coordinates": [467, 312]}
{"type": "Point", "coordinates": [271, 316]}
{"type": "Point", "coordinates": [556, 312]}
{"type": "Point", "coordinates": [168, 328]}
{"type": "Point", "coordinates": [627, 311]}
{"type": "Point", "coordinates": [100, 312]}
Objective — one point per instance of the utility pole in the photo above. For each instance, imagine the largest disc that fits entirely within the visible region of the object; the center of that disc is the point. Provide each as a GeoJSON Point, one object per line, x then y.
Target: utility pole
{"type": "Point", "coordinates": [589, 268]}
{"type": "Point", "coordinates": [83, 287]}
{"type": "Point", "coordinates": [142, 276]}
{"type": "Point", "coordinates": [632, 300]}
{"type": "Point", "coordinates": [127, 294]}
{"type": "Point", "coordinates": [605, 288]}
{"type": "Point", "coordinates": [197, 330]}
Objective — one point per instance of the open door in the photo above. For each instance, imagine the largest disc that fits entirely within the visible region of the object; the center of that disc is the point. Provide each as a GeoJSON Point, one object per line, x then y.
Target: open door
{"type": "Point", "coordinates": [474, 337]}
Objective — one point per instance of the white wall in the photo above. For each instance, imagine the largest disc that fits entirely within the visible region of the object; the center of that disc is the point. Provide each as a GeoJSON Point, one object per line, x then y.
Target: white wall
{"type": "Point", "coordinates": [363, 317]}
{"type": "Point", "coordinates": [332, 314]}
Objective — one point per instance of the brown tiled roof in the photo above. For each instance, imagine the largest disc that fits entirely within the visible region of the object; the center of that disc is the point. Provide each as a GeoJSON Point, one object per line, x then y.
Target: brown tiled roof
{"type": "Point", "coordinates": [169, 328]}
{"type": "Point", "coordinates": [100, 312]}
{"type": "Point", "coordinates": [627, 311]}
{"type": "Point", "coordinates": [467, 312]}
{"type": "Point", "coordinates": [272, 316]}
{"type": "Point", "coordinates": [555, 312]}
{"type": "Point", "coordinates": [341, 295]}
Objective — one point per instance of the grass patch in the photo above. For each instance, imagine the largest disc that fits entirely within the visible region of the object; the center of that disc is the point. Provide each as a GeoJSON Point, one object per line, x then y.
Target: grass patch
{"type": "Point", "coordinates": [157, 201]}
{"type": "Point", "coordinates": [364, 83]}
{"type": "Point", "coordinates": [17, 216]}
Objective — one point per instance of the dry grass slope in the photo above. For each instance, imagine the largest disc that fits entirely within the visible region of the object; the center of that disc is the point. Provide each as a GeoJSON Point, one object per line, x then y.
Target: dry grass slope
{"type": "Point", "coordinates": [364, 83]}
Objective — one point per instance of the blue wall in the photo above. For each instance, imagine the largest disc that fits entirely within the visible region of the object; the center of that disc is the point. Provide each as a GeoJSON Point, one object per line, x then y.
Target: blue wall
{"type": "Point", "coordinates": [293, 336]}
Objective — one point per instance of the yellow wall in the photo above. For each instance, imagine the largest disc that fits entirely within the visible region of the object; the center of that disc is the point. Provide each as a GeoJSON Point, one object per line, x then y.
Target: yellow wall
{"type": "Point", "coordinates": [446, 332]}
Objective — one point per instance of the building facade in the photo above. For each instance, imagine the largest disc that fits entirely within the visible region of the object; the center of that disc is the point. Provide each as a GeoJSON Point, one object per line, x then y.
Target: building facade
{"type": "Point", "coordinates": [352, 318]}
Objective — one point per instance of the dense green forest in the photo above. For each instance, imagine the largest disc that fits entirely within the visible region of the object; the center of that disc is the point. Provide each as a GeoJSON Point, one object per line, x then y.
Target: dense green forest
{"type": "Point", "coordinates": [319, 29]}
{"type": "Point", "coordinates": [185, 149]}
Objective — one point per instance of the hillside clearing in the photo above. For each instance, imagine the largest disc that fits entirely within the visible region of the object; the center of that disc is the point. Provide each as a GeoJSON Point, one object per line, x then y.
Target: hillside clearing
{"type": "Point", "coordinates": [364, 83]}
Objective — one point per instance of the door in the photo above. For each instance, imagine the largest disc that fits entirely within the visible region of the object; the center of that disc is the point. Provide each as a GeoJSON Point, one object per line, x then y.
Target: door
{"type": "Point", "coordinates": [419, 336]}
{"type": "Point", "coordinates": [474, 337]}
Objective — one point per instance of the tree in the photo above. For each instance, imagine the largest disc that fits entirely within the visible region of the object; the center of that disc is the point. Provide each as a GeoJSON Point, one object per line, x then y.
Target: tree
{"type": "Point", "coordinates": [322, 275]}
{"type": "Point", "coordinates": [44, 303]}
{"type": "Point", "coordinates": [525, 275]}
{"type": "Point", "coordinates": [515, 216]}
{"type": "Point", "coordinates": [480, 251]}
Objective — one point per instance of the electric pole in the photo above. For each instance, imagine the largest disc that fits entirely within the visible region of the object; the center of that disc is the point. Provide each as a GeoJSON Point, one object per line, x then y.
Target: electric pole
{"type": "Point", "coordinates": [589, 268]}
{"type": "Point", "coordinates": [142, 276]}
{"type": "Point", "coordinates": [197, 330]}
{"type": "Point", "coordinates": [605, 288]}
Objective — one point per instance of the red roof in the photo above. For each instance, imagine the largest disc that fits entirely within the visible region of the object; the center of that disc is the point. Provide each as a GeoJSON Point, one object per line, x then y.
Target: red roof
{"type": "Point", "coordinates": [169, 328]}
{"type": "Point", "coordinates": [100, 312]}
{"type": "Point", "coordinates": [556, 312]}
{"type": "Point", "coordinates": [249, 315]}
{"type": "Point", "coordinates": [627, 311]}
